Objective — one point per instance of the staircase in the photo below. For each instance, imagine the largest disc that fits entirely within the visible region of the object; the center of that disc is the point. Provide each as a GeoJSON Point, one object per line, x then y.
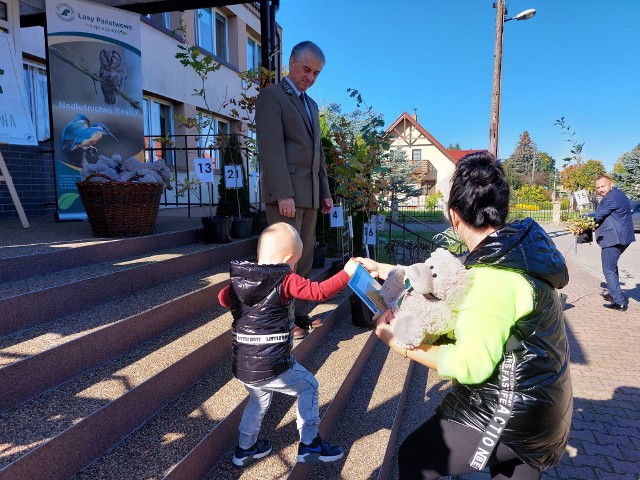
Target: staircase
{"type": "Point", "coordinates": [115, 364]}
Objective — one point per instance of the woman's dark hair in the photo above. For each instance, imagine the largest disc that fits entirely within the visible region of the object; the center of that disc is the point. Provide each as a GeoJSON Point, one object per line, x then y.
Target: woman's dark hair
{"type": "Point", "coordinates": [479, 191]}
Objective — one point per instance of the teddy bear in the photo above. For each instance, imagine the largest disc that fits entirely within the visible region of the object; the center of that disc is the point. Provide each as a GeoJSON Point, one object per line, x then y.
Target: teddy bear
{"type": "Point", "coordinates": [425, 298]}
{"type": "Point", "coordinates": [128, 170]}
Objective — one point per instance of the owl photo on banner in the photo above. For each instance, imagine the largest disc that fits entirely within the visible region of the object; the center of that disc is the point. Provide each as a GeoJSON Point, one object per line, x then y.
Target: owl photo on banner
{"type": "Point", "coordinates": [113, 73]}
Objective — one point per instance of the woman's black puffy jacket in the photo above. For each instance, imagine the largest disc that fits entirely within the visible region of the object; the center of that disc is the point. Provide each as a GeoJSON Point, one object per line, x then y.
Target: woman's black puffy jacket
{"type": "Point", "coordinates": [538, 428]}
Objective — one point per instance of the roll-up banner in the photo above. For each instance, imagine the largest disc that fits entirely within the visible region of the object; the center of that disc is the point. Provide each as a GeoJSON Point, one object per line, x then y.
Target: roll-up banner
{"type": "Point", "coordinates": [95, 75]}
{"type": "Point", "coordinates": [16, 127]}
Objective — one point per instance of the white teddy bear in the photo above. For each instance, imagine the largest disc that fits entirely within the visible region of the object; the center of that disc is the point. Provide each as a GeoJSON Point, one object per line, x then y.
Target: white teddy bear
{"type": "Point", "coordinates": [128, 170]}
{"type": "Point", "coordinates": [425, 298]}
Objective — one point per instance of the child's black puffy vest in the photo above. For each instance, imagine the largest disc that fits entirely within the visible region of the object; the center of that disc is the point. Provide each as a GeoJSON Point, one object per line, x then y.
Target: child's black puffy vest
{"type": "Point", "coordinates": [262, 323]}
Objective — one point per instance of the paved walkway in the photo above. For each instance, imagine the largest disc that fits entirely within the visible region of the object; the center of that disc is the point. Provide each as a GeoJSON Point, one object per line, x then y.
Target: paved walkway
{"type": "Point", "coordinates": [605, 435]}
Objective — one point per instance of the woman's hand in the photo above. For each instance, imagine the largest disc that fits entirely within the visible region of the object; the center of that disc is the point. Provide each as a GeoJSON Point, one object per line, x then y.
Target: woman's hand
{"type": "Point", "coordinates": [384, 325]}
{"type": "Point", "coordinates": [370, 266]}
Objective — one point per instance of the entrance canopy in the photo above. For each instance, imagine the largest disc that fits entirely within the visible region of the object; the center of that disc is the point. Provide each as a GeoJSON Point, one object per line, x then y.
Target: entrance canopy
{"type": "Point", "coordinates": [32, 13]}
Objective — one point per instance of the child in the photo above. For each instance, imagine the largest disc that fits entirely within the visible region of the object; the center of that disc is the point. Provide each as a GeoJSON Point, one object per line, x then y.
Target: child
{"type": "Point", "coordinates": [261, 297]}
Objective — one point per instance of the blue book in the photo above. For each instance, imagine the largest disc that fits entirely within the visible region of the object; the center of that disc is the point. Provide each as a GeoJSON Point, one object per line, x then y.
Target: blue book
{"type": "Point", "coordinates": [368, 289]}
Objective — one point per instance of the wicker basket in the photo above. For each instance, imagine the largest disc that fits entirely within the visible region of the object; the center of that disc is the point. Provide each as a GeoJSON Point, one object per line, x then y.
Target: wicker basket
{"type": "Point", "coordinates": [120, 209]}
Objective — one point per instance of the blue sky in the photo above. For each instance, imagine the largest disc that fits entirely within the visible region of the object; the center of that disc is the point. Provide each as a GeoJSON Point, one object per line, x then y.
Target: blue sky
{"type": "Point", "coordinates": [576, 58]}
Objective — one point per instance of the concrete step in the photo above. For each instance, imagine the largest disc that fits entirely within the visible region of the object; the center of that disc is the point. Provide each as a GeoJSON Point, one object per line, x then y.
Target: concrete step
{"type": "Point", "coordinates": [33, 361]}
{"type": "Point", "coordinates": [163, 350]}
{"type": "Point", "coordinates": [368, 427]}
{"type": "Point", "coordinates": [194, 428]}
{"type": "Point", "coordinates": [336, 353]}
{"type": "Point", "coordinates": [60, 432]}
{"type": "Point", "coordinates": [74, 254]}
{"type": "Point", "coordinates": [43, 305]}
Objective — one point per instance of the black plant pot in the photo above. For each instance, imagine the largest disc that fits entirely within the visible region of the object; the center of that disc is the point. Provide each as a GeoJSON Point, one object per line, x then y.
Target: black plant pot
{"type": "Point", "coordinates": [216, 229]}
{"type": "Point", "coordinates": [585, 237]}
{"type": "Point", "coordinates": [319, 256]}
{"type": "Point", "coordinates": [361, 316]}
{"type": "Point", "coordinates": [259, 223]}
{"type": "Point", "coordinates": [241, 227]}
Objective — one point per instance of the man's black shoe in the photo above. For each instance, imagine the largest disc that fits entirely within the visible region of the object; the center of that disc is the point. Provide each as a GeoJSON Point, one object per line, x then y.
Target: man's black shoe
{"type": "Point", "coordinates": [616, 306]}
{"type": "Point", "coordinates": [607, 298]}
{"type": "Point", "coordinates": [305, 322]}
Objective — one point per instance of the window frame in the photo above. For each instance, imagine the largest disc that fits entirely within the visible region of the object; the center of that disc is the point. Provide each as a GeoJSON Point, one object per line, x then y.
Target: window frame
{"type": "Point", "coordinates": [164, 17]}
{"type": "Point", "coordinates": [218, 126]}
{"type": "Point", "coordinates": [43, 129]}
{"type": "Point", "coordinates": [151, 152]}
{"type": "Point", "coordinates": [214, 49]}
{"type": "Point", "coordinates": [256, 52]}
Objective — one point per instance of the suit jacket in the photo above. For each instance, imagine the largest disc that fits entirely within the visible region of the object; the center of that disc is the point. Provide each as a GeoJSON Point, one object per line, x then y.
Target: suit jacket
{"type": "Point", "coordinates": [613, 216]}
{"type": "Point", "coordinates": [289, 148]}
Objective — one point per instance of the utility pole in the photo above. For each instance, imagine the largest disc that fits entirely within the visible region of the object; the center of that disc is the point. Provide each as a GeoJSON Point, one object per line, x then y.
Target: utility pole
{"type": "Point", "coordinates": [494, 123]}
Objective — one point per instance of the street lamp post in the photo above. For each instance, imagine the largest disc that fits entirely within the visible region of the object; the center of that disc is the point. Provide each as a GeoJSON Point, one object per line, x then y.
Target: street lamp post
{"type": "Point", "coordinates": [494, 124]}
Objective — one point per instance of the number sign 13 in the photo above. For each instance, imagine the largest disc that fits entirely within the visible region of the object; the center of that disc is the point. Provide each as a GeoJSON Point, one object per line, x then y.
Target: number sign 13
{"type": "Point", "coordinates": [203, 170]}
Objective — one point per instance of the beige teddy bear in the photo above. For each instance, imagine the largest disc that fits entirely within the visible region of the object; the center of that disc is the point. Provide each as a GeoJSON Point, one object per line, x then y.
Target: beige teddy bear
{"type": "Point", "coordinates": [425, 298]}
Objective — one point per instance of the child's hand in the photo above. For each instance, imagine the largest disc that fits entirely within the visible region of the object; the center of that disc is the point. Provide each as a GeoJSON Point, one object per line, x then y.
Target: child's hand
{"type": "Point", "coordinates": [350, 267]}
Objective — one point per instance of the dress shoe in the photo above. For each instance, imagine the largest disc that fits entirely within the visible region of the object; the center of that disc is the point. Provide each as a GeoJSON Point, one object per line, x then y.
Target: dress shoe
{"type": "Point", "coordinates": [607, 298]}
{"type": "Point", "coordinates": [299, 333]}
{"type": "Point", "coordinates": [616, 306]}
{"type": "Point", "coordinates": [304, 321]}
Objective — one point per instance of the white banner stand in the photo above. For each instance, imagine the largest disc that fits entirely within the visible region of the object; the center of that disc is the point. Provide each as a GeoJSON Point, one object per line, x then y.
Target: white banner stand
{"type": "Point", "coordinates": [6, 178]}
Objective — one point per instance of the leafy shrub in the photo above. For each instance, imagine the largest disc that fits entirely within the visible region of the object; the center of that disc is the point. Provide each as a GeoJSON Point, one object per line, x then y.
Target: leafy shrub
{"type": "Point", "coordinates": [526, 206]}
{"type": "Point", "coordinates": [432, 200]}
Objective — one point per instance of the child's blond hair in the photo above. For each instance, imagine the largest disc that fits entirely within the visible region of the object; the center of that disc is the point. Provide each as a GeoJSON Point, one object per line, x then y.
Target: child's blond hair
{"type": "Point", "coordinates": [277, 241]}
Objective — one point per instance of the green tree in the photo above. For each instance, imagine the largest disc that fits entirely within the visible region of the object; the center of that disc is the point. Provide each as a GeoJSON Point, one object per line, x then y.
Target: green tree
{"type": "Point", "coordinates": [582, 176]}
{"type": "Point", "coordinates": [397, 175]}
{"type": "Point", "coordinates": [452, 147]}
{"type": "Point", "coordinates": [532, 193]}
{"type": "Point", "coordinates": [232, 201]}
{"type": "Point", "coordinates": [629, 179]}
{"type": "Point", "coordinates": [522, 165]}
{"type": "Point", "coordinates": [354, 145]}
{"type": "Point", "coordinates": [546, 170]}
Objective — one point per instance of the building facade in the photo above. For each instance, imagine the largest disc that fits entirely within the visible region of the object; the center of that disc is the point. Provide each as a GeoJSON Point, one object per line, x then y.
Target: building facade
{"type": "Point", "coordinates": [229, 34]}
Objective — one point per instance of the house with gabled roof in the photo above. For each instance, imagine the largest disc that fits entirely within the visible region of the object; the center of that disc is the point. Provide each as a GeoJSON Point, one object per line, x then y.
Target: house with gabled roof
{"type": "Point", "coordinates": [433, 162]}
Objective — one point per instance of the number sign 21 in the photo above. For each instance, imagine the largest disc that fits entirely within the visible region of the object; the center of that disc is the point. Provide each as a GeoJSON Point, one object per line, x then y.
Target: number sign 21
{"type": "Point", "coordinates": [233, 176]}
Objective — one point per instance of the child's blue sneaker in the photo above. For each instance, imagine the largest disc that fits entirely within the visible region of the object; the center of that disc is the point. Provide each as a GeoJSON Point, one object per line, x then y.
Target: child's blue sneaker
{"type": "Point", "coordinates": [318, 451]}
{"type": "Point", "coordinates": [243, 457]}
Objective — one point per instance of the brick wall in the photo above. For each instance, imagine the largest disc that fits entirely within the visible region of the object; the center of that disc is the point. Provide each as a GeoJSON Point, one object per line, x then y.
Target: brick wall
{"type": "Point", "coordinates": [31, 169]}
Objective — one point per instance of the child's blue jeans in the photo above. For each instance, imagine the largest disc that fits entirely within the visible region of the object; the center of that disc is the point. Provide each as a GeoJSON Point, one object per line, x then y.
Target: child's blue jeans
{"type": "Point", "coordinates": [297, 381]}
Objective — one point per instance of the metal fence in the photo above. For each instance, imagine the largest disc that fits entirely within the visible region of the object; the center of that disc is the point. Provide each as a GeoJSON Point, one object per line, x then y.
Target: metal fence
{"type": "Point", "coordinates": [179, 153]}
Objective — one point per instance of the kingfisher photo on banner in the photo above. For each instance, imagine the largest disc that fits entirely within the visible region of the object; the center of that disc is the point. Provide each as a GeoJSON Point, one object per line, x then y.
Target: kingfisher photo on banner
{"type": "Point", "coordinates": [96, 91]}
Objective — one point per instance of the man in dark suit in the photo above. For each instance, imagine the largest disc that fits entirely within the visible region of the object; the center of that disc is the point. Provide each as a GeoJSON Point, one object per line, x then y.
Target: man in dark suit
{"type": "Point", "coordinates": [614, 234]}
{"type": "Point", "coordinates": [294, 173]}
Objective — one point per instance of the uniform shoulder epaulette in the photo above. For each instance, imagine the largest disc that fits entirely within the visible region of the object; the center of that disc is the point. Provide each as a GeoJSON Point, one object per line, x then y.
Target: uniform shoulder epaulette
{"type": "Point", "coordinates": [288, 89]}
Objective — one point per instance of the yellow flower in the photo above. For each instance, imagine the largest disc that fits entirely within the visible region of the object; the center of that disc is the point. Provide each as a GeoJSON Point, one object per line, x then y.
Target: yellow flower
{"type": "Point", "coordinates": [580, 225]}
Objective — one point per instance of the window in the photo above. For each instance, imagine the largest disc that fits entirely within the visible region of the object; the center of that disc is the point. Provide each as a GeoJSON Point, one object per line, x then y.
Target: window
{"type": "Point", "coordinates": [254, 54]}
{"type": "Point", "coordinates": [159, 19]}
{"type": "Point", "coordinates": [204, 29]}
{"type": "Point", "coordinates": [416, 155]}
{"type": "Point", "coordinates": [211, 127]}
{"type": "Point", "coordinates": [157, 123]}
{"type": "Point", "coordinates": [35, 87]}
{"type": "Point", "coordinates": [221, 37]}
{"type": "Point", "coordinates": [211, 32]}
